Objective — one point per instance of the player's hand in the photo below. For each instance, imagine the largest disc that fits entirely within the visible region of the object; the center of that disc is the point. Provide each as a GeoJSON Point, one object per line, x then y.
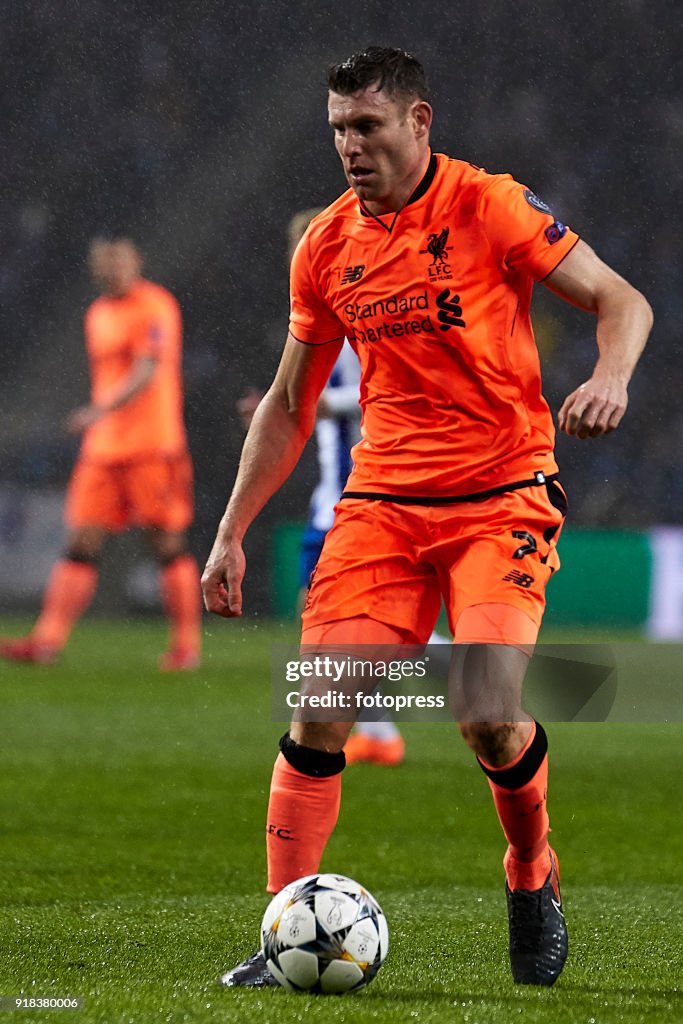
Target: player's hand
{"type": "Point", "coordinates": [222, 579]}
{"type": "Point", "coordinates": [596, 408]}
{"type": "Point", "coordinates": [80, 419]}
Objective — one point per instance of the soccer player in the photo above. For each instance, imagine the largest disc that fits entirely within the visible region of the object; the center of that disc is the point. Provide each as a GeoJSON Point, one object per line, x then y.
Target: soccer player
{"type": "Point", "coordinates": [134, 467]}
{"type": "Point", "coordinates": [426, 264]}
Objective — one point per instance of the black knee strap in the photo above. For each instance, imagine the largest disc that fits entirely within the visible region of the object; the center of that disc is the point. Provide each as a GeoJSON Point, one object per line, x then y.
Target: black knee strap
{"type": "Point", "coordinates": [526, 767]}
{"type": "Point", "coordinates": [81, 559]}
{"type": "Point", "coordinates": [319, 764]}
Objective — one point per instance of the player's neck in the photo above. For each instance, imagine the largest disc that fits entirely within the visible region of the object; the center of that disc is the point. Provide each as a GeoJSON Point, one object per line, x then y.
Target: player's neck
{"type": "Point", "coordinates": [395, 202]}
{"type": "Point", "coordinates": [119, 291]}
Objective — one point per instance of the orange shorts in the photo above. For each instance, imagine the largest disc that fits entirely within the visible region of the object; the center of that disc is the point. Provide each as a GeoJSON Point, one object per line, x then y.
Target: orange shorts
{"type": "Point", "coordinates": [396, 563]}
{"type": "Point", "coordinates": [153, 492]}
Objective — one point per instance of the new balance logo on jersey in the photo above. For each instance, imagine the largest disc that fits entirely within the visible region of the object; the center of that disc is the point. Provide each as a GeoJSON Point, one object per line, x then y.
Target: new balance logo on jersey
{"type": "Point", "coordinates": [450, 310]}
{"type": "Point", "coordinates": [353, 274]}
{"type": "Point", "coordinates": [520, 578]}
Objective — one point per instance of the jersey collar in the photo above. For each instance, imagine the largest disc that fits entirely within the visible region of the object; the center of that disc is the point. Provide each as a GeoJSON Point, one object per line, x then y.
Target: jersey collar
{"type": "Point", "coordinates": [418, 192]}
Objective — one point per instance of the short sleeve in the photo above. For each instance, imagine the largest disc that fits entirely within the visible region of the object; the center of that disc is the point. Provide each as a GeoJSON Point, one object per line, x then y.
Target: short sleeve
{"type": "Point", "coordinates": [159, 326]}
{"type": "Point", "coordinates": [311, 320]}
{"type": "Point", "coordinates": [522, 230]}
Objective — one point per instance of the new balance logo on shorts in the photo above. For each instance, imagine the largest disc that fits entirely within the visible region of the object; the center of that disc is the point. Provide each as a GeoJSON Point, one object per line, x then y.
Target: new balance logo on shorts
{"type": "Point", "coordinates": [520, 578]}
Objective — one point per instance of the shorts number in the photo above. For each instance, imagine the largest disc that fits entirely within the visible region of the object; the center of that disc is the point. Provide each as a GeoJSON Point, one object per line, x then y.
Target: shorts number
{"type": "Point", "coordinates": [526, 549]}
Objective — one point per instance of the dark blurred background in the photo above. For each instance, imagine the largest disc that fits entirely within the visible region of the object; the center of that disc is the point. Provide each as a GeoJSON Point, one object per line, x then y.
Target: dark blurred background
{"type": "Point", "coordinates": [200, 127]}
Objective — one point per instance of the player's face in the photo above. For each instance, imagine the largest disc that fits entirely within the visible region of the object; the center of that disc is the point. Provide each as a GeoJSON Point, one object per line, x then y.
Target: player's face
{"type": "Point", "coordinates": [115, 266]}
{"type": "Point", "coordinates": [98, 260]}
{"type": "Point", "coordinates": [382, 143]}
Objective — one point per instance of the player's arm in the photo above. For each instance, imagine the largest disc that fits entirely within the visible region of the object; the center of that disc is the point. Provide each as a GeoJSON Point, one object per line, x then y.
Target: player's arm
{"type": "Point", "coordinates": [624, 320]}
{"type": "Point", "coordinates": [136, 381]}
{"type": "Point", "coordinates": [282, 424]}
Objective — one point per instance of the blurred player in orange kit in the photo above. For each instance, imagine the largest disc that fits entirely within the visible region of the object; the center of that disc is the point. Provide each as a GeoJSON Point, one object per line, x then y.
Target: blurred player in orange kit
{"type": "Point", "coordinates": [134, 468]}
{"type": "Point", "coordinates": [426, 264]}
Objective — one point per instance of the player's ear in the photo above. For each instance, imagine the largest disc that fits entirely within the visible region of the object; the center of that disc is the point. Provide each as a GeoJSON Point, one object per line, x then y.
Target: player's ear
{"type": "Point", "coordinates": [421, 113]}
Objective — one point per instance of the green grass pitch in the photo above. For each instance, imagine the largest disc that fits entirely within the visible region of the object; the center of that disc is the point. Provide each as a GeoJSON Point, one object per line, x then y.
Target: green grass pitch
{"type": "Point", "coordinates": [132, 856]}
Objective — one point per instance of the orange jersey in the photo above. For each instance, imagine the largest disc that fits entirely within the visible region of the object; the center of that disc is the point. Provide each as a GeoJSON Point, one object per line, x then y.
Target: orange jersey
{"type": "Point", "coordinates": [435, 301]}
{"type": "Point", "coordinates": [118, 331]}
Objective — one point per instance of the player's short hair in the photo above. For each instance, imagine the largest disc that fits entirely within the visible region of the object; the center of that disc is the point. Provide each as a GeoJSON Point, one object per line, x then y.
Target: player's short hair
{"type": "Point", "coordinates": [114, 238]}
{"type": "Point", "coordinates": [396, 72]}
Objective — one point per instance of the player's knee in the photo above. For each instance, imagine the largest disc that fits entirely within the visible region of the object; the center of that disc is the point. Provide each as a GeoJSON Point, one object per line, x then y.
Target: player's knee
{"type": "Point", "coordinates": [167, 547]}
{"type": "Point", "coordinates": [84, 546]}
{"type": "Point", "coordinates": [489, 740]}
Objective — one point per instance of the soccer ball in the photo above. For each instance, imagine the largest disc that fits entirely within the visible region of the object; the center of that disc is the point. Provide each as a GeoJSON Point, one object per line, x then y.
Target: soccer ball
{"type": "Point", "coordinates": [324, 933]}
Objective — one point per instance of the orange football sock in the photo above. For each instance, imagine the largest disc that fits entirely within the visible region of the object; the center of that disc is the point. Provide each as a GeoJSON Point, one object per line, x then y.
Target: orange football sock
{"type": "Point", "coordinates": [302, 813]}
{"type": "Point", "coordinates": [68, 593]}
{"type": "Point", "coordinates": [181, 594]}
{"type": "Point", "coordinates": [519, 792]}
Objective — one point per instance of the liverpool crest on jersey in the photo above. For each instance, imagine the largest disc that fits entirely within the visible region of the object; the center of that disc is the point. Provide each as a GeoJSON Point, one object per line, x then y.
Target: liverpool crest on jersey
{"type": "Point", "coordinates": [438, 248]}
